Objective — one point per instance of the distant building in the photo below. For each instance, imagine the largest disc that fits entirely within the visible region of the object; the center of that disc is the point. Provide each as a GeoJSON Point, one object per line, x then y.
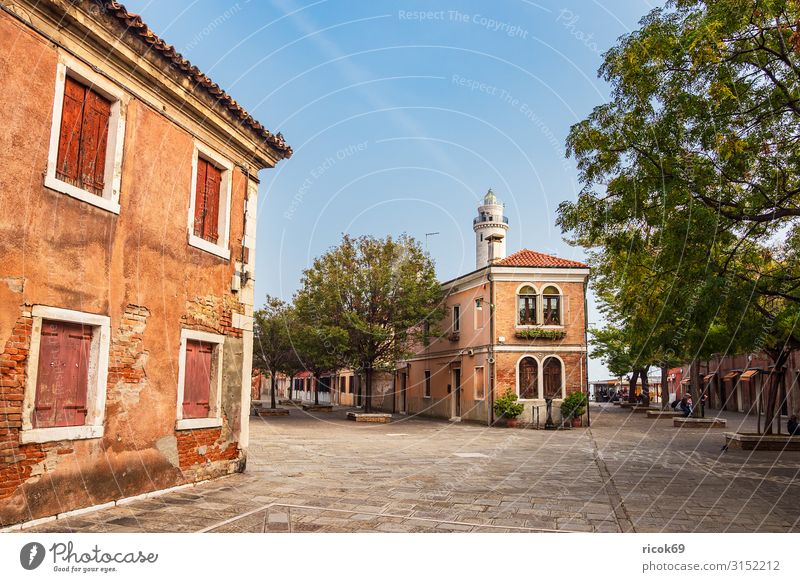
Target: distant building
{"type": "Point", "coordinates": [517, 323]}
{"type": "Point", "coordinates": [735, 382]}
{"type": "Point", "coordinates": [128, 196]}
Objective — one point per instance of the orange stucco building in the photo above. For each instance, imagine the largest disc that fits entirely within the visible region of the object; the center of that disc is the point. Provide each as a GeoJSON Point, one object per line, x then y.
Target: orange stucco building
{"type": "Point", "coordinates": [128, 191]}
{"type": "Point", "coordinates": [516, 323]}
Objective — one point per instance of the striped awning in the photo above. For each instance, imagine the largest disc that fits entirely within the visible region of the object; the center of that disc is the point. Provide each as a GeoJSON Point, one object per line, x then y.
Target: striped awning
{"type": "Point", "coordinates": [730, 375]}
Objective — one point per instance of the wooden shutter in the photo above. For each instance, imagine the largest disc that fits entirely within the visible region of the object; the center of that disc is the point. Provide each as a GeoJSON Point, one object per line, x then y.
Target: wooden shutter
{"type": "Point", "coordinates": [211, 223]}
{"type": "Point", "coordinates": [67, 165]}
{"type": "Point", "coordinates": [200, 196]}
{"type": "Point", "coordinates": [528, 378]}
{"type": "Point", "coordinates": [63, 375]}
{"type": "Point", "coordinates": [197, 379]}
{"type": "Point", "coordinates": [551, 378]}
{"type": "Point", "coordinates": [94, 139]}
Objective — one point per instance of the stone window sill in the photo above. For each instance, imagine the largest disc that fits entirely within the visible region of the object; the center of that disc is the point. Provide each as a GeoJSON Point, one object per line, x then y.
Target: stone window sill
{"type": "Point", "coordinates": [107, 204]}
{"type": "Point", "coordinates": [61, 433]}
{"type": "Point", "coordinates": [195, 423]}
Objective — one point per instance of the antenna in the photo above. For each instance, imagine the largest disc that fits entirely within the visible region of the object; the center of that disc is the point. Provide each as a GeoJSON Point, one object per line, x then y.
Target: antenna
{"type": "Point", "coordinates": [427, 234]}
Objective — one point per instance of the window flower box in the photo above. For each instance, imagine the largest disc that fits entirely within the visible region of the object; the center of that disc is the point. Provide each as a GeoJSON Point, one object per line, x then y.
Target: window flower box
{"type": "Point", "coordinates": [551, 334]}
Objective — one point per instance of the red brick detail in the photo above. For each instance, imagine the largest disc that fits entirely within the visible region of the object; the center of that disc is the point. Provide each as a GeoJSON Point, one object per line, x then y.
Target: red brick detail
{"type": "Point", "coordinates": [126, 363]}
{"type": "Point", "coordinates": [213, 314]}
{"type": "Point", "coordinates": [196, 447]}
{"type": "Point", "coordinates": [13, 361]}
{"type": "Point", "coordinates": [16, 461]}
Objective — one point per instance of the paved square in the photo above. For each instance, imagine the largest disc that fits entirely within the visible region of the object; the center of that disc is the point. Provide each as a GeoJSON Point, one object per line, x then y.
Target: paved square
{"type": "Point", "coordinates": [323, 473]}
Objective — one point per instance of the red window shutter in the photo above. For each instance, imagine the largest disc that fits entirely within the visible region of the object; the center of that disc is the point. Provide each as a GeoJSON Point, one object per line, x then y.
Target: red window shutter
{"type": "Point", "coordinates": [94, 139]}
{"type": "Point", "coordinates": [200, 196]}
{"type": "Point", "coordinates": [211, 226]}
{"type": "Point", "coordinates": [63, 375]}
{"type": "Point", "coordinates": [197, 379]}
{"type": "Point", "coordinates": [67, 165]}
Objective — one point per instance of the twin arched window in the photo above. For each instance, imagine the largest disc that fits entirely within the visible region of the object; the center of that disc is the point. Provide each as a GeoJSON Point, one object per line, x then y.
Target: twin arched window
{"type": "Point", "coordinates": [527, 308]}
{"type": "Point", "coordinates": [529, 378]}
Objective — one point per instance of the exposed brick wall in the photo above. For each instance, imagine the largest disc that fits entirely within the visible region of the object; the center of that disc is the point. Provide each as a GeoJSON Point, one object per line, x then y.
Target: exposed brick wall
{"type": "Point", "coordinates": [127, 358]}
{"type": "Point", "coordinates": [15, 461]}
{"type": "Point", "coordinates": [18, 462]}
{"type": "Point", "coordinates": [213, 313]}
{"type": "Point", "coordinates": [199, 446]}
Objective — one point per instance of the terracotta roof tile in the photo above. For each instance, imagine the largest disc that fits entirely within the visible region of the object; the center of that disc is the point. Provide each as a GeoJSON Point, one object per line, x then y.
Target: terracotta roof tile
{"type": "Point", "coordinates": [134, 25]}
{"type": "Point", "coordinates": [527, 258]}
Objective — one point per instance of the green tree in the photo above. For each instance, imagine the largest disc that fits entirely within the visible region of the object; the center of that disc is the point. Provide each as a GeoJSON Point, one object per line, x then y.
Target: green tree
{"type": "Point", "coordinates": [378, 293]}
{"type": "Point", "coordinates": [272, 348]}
{"type": "Point", "coordinates": [691, 189]}
{"type": "Point", "coordinates": [317, 348]}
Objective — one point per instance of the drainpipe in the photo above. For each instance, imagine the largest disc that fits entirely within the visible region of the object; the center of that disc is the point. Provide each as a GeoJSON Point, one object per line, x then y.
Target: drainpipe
{"type": "Point", "coordinates": [491, 347]}
{"type": "Point", "coordinates": [586, 345]}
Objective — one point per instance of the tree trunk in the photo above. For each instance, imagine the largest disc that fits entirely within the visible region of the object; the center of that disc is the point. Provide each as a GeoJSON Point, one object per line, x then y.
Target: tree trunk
{"type": "Point", "coordinates": [645, 387]}
{"type": "Point", "coordinates": [273, 386]}
{"type": "Point", "coordinates": [368, 389]}
{"type": "Point", "coordinates": [694, 387]}
{"type": "Point", "coordinates": [316, 389]}
{"type": "Point", "coordinates": [664, 387]}
{"type": "Point", "coordinates": [632, 386]}
{"type": "Point", "coordinates": [773, 389]}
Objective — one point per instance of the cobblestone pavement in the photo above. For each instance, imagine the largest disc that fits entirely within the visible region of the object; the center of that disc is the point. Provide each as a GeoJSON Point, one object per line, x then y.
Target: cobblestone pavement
{"type": "Point", "coordinates": [626, 473]}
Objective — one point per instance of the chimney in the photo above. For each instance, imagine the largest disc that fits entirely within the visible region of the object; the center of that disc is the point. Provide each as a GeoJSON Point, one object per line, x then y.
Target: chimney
{"type": "Point", "coordinates": [494, 248]}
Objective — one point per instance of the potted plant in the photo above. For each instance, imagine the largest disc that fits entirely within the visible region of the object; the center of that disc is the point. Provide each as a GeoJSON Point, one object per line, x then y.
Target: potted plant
{"type": "Point", "coordinates": [573, 407]}
{"type": "Point", "coordinates": [508, 408]}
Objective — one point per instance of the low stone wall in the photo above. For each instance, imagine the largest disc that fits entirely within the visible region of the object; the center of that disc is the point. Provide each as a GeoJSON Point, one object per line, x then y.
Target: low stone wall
{"type": "Point", "coordinates": [663, 414]}
{"type": "Point", "coordinates": [699, 422]}
{"type": "Point", "coordinates": [369, 417]}
{"type": "Point", "coordinates": [759, 442]}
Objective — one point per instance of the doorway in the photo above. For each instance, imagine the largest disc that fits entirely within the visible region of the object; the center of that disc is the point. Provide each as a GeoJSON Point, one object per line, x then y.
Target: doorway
{"type": "Point", "coordinates": [457, 392]}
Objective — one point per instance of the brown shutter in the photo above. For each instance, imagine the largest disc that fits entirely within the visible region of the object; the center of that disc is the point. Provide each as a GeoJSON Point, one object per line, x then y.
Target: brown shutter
{"type": "Point", "coordinates": [197, 379]}
{"type": "Point", "coordinates": [213, 179]}
{"type": "Point", "coordinates": [63, 374]}
{"type": "Point", "coordinates": [70, 137]}
{"type": "Point", "coordinates": [94, 139]}
{"type": "Point", "coordinates": [200, 196]}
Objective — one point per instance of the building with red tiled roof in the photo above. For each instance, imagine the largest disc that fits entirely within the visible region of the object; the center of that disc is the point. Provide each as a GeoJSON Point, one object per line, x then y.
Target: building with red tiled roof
{"type": "Point", "coordinates": [127, 243]}
{"type": "Point", "coordinates": [515, 324]}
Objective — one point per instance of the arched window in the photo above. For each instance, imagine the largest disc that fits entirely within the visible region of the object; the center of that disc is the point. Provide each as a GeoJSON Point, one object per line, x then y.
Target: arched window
{"type": "Point", "coordinates": [526, 304]}
{"type": "Point", "coordinates": [551, 378]}
{"type": "Point", "coordinates": [551, 299]}
{"type": "Point", "coordinates": [528, 378]}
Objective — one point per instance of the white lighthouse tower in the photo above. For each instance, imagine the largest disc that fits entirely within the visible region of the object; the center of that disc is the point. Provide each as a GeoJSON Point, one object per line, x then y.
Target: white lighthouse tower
{"type": "Point", "coordinates": [490, 228]}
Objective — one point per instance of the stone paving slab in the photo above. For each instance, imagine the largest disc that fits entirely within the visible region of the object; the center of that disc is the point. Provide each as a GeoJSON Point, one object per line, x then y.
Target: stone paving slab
{"type": "Point", "coordinates": [322, 473]}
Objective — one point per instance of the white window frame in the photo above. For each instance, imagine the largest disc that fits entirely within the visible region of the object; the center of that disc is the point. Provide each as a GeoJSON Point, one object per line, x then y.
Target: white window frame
{"type": "Point", "coordinates": [561, 300]}
{"type": "Point", "coordinates": [97, 377]}
{"type": "Point", "coordinates": [214, 418]}
{"type": "Point", "coordinates": [109, 200]}
{"type": "Point", "coordinates": [221, 248]}
{"type": "Point", "coordinates": [457, 320]}
{"type": "Point", "coordinates": [483, 380]}
{"type": "Point", "coordinates": [427, 382]}
{"type": "Point", "coordinates": [537, 315]}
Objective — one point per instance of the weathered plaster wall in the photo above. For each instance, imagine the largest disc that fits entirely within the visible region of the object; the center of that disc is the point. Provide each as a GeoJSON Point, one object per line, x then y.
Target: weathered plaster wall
{"type": "Point", "coordinates": [136, 268]}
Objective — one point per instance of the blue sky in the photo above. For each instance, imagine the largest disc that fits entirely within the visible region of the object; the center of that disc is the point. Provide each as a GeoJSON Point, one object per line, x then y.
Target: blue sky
{"type": "Point", "coordinates": [402, 114]}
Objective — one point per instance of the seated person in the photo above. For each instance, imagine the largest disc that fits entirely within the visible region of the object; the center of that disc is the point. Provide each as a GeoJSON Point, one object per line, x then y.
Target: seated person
{"type": "Point", "coordinates": [685, 407]}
